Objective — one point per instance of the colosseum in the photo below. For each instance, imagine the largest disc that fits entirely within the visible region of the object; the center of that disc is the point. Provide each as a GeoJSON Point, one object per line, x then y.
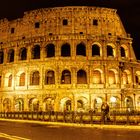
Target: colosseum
{"type": "Point", "coordinates": [67, 58]}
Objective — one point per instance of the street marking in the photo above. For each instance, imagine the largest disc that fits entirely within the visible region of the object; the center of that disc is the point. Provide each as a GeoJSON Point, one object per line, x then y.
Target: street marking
{"type": "Point", "coordinates": [11, 137]}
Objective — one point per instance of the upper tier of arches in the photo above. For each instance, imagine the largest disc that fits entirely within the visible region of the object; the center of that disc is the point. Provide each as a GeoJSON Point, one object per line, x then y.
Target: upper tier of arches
{"type": "Point", "coordinates": [51, 50]}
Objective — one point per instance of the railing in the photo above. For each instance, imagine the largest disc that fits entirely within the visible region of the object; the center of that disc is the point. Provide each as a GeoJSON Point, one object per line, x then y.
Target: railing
{"type": "Point", "coordinates": [116, 117]}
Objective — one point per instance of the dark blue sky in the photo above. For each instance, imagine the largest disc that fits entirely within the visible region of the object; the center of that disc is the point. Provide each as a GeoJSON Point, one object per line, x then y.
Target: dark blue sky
{"type": "Point", "coordinates": [128, 10]}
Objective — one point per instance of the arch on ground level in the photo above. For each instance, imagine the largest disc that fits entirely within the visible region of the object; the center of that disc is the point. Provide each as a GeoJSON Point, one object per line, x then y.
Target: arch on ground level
{"type": "Point", "coordinates": [65, 104]}
{"type": "Point", "coordinates": [114, 102]}
{"type": "Point", "coordinates": [33, 104]}
{"type": "Point", "coordinates": [82, 104]}
{"type": "Point", "coordinates": [128, 102]}
{"type": "Point", "coordinates": [97, 103]}
{"type": "Point", "coordinates": [6, 105]}
{"type": "Point", "coordinates": [48, 104]}
{"type": "Point", "coordinates": [19, 104]}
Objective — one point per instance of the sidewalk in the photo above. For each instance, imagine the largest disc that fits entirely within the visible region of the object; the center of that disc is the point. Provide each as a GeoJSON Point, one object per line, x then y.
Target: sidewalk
{"type": "Point", "coordinates": [98, 126]}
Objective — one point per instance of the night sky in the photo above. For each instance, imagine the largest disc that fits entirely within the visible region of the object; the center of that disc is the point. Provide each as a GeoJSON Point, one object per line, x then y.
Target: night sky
{"type": "Point", "coordinates": [128, 10]}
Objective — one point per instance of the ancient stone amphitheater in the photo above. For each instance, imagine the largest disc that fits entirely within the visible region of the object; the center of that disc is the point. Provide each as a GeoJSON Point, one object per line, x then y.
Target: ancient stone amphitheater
{"type": "Point", "coordinates": [67, 58]}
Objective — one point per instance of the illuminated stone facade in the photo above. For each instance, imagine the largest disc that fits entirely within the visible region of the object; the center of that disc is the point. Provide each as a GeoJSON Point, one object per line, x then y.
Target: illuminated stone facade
{"type": "Point", "coordinates": [67, 58]}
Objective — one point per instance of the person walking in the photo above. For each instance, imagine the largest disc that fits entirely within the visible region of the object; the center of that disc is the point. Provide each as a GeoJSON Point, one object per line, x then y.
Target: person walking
{"type": "Point", "coordinates": [104, 112]}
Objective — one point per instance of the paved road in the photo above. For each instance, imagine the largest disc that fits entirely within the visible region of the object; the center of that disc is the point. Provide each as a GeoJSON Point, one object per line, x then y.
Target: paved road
{"type": "Point", "coordinates": [28, 131]}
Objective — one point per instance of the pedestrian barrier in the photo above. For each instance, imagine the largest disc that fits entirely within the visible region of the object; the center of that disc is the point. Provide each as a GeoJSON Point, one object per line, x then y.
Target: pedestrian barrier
{"type": "Point", "coordinates": [76, 117]}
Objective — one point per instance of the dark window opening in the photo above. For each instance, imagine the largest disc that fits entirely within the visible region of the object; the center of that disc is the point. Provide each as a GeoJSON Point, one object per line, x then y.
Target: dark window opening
{"type": "Point", "coordinates": [109, 51]}
{"type": "Point", "coordinates": [50, 34]}
{"type": "Point", "coordinates": [65, 50]}
{"type": "Point", "coordinates": [95, 50]}
{"type": "Point", "coordinates": [34, 79]}
{"type": "Point", "coordinates": [23, 54]}
{"type": "Point", "coordinates": [81, 77]}
{"type": "Point", "coordinates": [12, 30]}
{"type": "Point", "coordinates": [36, 52]}
{"type": "Point", "coordinates": [23, 37]}
{"type": "Point", "coordinates": [137, 79]}
{"type": "Point", "coordinates": [122, 52]}
{"type": "Point", "coordinates": [49, 78]}
{"type": "Point", "coordinates": [81, 49]}
{"type": "Point", "coordinates": [1, 57]}
{"type": "Point", "coordinates": [37, 25]}
{"type": "Point", "coordinates": [109, 34]}
{"type": "Point", "coordinates": [66, 77]}
{"type": "Point", "coordinates": [81, 33]}
{"type": "Point", "coordinates": [11, 55]}
{"type": "Point", "coordinates": [50, 50]}
{"type": "Point", "coordinates": [65, 22]}
{"type": "Point", "coordinates": [95, 22]}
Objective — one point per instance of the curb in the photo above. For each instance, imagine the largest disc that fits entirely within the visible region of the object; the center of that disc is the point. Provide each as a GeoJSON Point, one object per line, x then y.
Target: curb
{"type": "Point", "coordinates": [97, 126]}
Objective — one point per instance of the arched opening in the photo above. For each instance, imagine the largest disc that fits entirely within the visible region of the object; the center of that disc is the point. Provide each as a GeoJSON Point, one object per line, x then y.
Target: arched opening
{"type": "Point", "coordinates": [96, 77]}
{"type": "Point", "coordinates": [48, 104]}
{"type": "Point", "coordinates": [114, 103]}
{"type": "Point", "coordinates": [1, 57]}
{"type": "Point", "coordinates": [122, 52]}
{"type": "Point", "coordinates": [22, 79]}
{"type": "Point", "coordinates": [65, 104]}
{"type": "Point", "coordinates": [66, 77]}
{"type": "Point", "coordinates": [125, 78]}
{"type": "Point", "coordinates": [49, 77]}
{"type": "Point", "coordinates": [95, 50]}
{"type": "Point", "coordinates": [65, 50]}
{"type": "Point", "coordinates": [82, 104]}
{"type": "Point", "coordinates": [97, 104]}
{"type": "Point", "coordinates": [10, 80]}
{"type": "Point", "coordinates": [34, 78]}
{"type": "Point", "coordinates": [81, 77]}
{"type": "Point", "coordinates": [111, 76]}
{"type": "Point", "coordinates": [6, 105]}
{"type": "Point", "coordinates": [50, 50]}
{"type": "Point", "coordinates": [81, 49]}
{"type": "Point", "coordinates": [109, 51]}
{"type": "Point", "coordinates": [129, 103]}
{"type": "Point", "coordinates": [23, 54]}
{"type": "Point", "coordinates": [36, 52]}
{"type": "Point", "coordinates": [19, 105]}
{"type": "Point", "coordinates": [10, 55]}
{"type": "Point", "coordinates": [33, 104]}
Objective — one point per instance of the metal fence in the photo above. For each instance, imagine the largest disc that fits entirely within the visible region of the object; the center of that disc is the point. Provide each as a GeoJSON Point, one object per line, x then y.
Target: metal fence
{"type": "Point", "coordinates": [116, 117]}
